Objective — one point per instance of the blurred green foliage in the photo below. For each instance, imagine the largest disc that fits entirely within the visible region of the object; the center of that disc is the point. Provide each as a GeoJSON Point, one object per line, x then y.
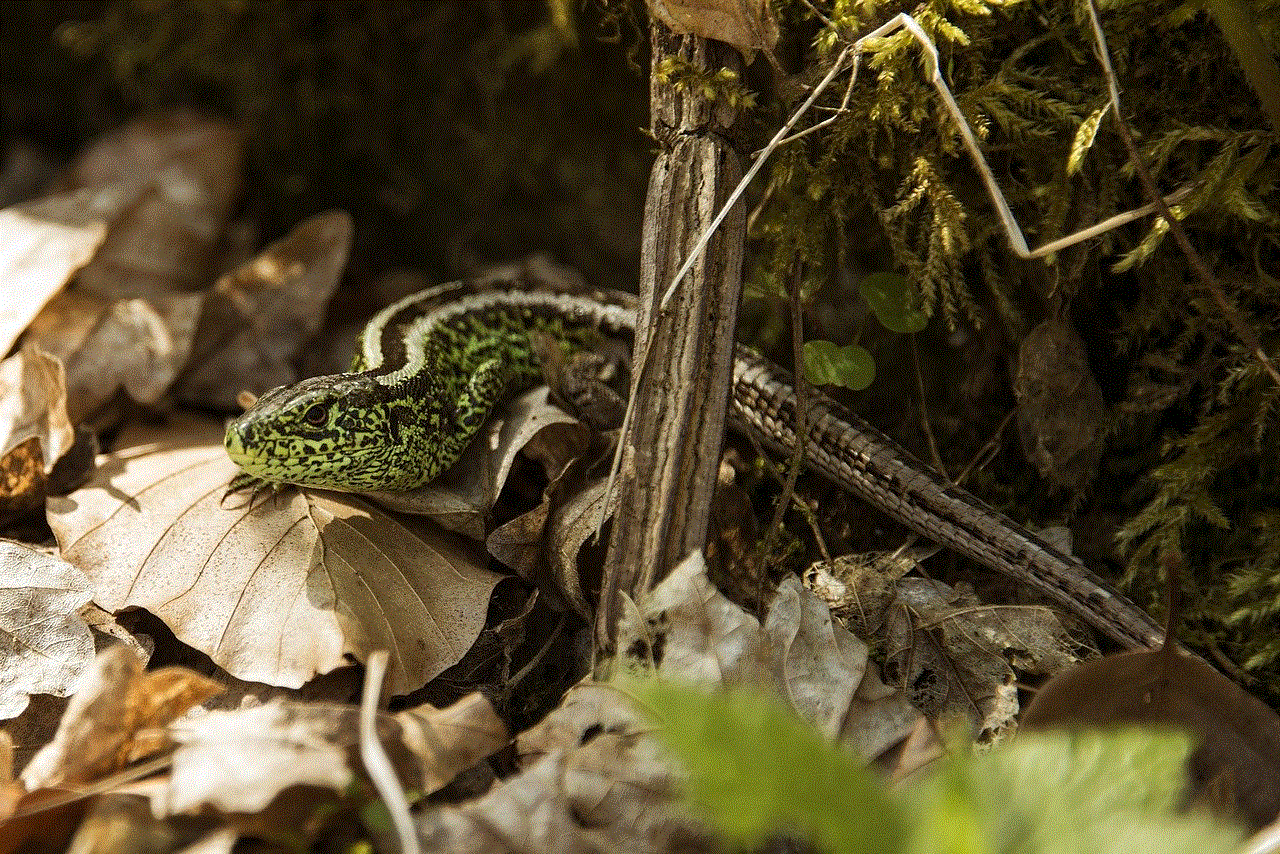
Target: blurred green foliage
{"type": "Point", "coordinates": [755, 770]}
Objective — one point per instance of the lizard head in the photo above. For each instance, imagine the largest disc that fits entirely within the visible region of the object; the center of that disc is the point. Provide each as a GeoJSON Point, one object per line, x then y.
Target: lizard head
{"type": "Point", "coordinates": [334, 432]}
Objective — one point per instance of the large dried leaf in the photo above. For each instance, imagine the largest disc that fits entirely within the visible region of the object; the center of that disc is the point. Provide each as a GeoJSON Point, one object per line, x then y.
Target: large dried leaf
{"type": "Point", "coordinates": [689, 631]}
{"type": "Point", "coordinates": [817, 662]}
{"type": "Point", "coordinates": [961, 657]}
{"type": "Point", "coordinates": [450, 740]}
{"type": "Point", "coordinates": [117, 716]}
{"type": "Point", "coordinates": [33, 403]}
{"type": "Point", "coordinates": [277, 591]}
{"type": "Point", "coordinates": [45, 648]}
{"type": "Point", "coordinates": [259, 315]}
{"type": "Point", "coordinates": [43, 243]}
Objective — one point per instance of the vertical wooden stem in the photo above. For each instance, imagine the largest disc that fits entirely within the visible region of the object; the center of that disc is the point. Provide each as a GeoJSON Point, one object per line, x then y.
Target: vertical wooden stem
{"type": "Point", "coordinates": [681, 392]}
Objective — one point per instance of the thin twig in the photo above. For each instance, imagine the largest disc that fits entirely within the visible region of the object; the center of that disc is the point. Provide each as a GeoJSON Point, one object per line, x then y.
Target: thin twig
{"type": "Point", "coordinates": [836, 113]}
{"type": "Point", "coordinates": [1201, 270]}
{"type": "Point", "coordinates": [818, 12]}
{"type": "Point", "coordinates": [376, 764]}
{"type": "Point", "coordinates": [801, 507]}
{"type": "Point", "coordinates": [802, 429]}
{"type": "Point", "coordinates": [989, 448]}
{"type": "Point", "coordinates": [924, 412]}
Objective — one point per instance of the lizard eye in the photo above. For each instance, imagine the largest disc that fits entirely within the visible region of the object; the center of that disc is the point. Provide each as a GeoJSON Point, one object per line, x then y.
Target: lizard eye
{"type": "Point", "coordinates": [316, 415]}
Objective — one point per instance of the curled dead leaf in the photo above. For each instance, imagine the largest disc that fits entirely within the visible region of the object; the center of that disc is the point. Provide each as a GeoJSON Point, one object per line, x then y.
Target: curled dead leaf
{"type": "Point", "coordinates": [258, 316]}
{"type": "Point", "coordinates": [33, 403]}
{"type": "Point", "coordinates": [117, 716]}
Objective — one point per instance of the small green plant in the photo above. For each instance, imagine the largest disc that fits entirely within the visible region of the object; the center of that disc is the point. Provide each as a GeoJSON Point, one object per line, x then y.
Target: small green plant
{"type": "Point", "coordinates": [756, 770]}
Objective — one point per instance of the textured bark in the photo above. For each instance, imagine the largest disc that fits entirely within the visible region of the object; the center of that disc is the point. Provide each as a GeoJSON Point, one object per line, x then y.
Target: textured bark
{"type": "Point", "coordinates": [681, 391]}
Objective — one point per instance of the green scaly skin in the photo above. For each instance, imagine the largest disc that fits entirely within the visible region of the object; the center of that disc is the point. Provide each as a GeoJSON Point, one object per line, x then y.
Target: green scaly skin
{"type": "Point", "coordinates": [408, 408]}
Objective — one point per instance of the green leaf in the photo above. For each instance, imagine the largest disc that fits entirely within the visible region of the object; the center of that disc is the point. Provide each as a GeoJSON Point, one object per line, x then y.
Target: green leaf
{"type": "Point", "coordinates": [890, 297]}
{"type": "Point", "coordinates": [755, 769]}
{"type": "Point", "coordinates": [827, 363]}
{"type": "Point", "coordinates": [1067, 793]}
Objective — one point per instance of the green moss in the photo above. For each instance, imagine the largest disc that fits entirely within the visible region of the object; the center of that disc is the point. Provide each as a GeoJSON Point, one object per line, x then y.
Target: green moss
{"type": "Point", "coordinates": [888, 187]}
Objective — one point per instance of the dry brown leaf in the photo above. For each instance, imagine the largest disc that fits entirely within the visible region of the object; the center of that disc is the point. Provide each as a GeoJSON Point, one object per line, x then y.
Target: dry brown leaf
{"type": "Point", "coordinates": [569, 526]}
{"type": "Point", "coordinates": [525, 814]}
{"type": "Point", "coordinates": [520, 544]}
{"type": "Point", "coordinates": [601, 798]}
{"type": "Point", "coordinates": [818, 664]}
{"type": "Point", "coordinates": [239, 761]}
{"type": "Point", "coordinates": [190, 166]}
{"type": "Point", "coordinates": [586, 709]}
{"type": "Point", "coordinates": [450, 740]}
{"type": "Point", "coordinates": [462, 497]}
{"type": "Point", "coordinates": [259, 315]}
{"type": "Point", "coordinates": [694, 634]}
{"type": "Point", "coordinates": [277, 591]}
{"type": "Point", "coordinates": [117, 716]}
{"type": "Point", "coordinates": [45, 648]}
{"type": "Point", "coordinates": [33, 403]}
{"type": "Point", "coordinates": [959, 655]}
{"type": "Point", "coordinates": [608, 771]}
{"type": "Point", "coordinates": [136, 344]}
{"type": "Point", "coordinates": [746, 24]}
{"type": "Point", "coordinates": [43, 243]}
{"type": "Point", "coordinates": [689, 631]}
{"type": "Point", "coordinates": [622, 786]}
{"type": "Point", "coordinates": [1235, 768]}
